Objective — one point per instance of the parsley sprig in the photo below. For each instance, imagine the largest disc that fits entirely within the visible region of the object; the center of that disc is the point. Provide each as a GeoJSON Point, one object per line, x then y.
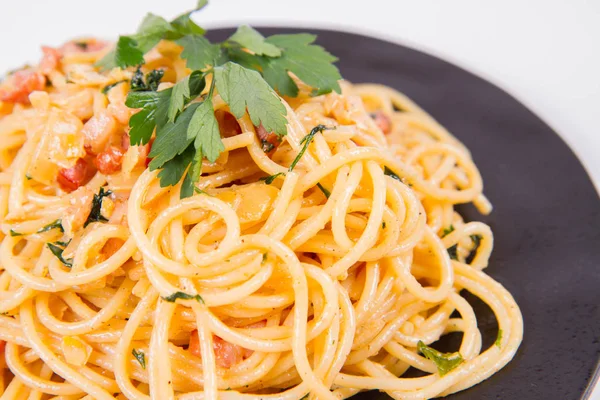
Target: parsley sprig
{"type": "Point", "coordinates": [247, 70]}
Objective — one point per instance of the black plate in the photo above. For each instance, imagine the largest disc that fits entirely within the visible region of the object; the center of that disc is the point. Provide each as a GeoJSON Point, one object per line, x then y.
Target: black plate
{"type": "Point", "coordinates": [546, 220]}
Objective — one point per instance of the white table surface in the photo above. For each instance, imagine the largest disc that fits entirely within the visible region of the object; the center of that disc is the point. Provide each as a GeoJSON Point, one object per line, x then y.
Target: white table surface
{"type": "Point", "coordinates": [546, 53]}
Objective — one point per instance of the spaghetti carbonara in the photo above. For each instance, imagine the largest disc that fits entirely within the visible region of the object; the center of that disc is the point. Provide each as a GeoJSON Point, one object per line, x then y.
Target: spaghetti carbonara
{"type": "Point", "coordinates": [315, 265]}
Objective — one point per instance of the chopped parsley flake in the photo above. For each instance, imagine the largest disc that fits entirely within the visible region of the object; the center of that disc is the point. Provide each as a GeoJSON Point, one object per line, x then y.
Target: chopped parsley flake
{"type": "Point", "coordinates": [445, 362]}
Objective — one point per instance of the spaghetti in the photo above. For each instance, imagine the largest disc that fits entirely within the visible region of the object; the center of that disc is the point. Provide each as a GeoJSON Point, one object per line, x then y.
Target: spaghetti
{"type": "Point", "coordinates": [325, 279]}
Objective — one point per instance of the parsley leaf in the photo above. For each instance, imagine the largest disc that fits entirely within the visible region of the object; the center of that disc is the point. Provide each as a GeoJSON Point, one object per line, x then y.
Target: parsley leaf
{"type": "Point", "coordinates": [151, 31]}
{"type": "Point", "coordinates": [144, 121]}
{"type": "Point", "coordinates": [130, 50]}
{"type": "Point", "coordinates": [271, 178]}
{"type": "Point", "coordinates": [140, 357]}
{"type": "Point", "coordinates": [445, 362]}
{"type": "Point", "coordinates": [255, 42]}
{"type": "Point", "coordinates": [243, 89]}
{"type": "Point", "coordinates": [14, 233]}
{"type": "Point", "coordinates": [127, 53]}
{"type": "Point", "coordinates": [58, 251]}
{"type": "Point", "coordinates": [183, 296]}
{"type": "Point", "coordinates": [96, 211]}
{"type": "Point", "coordinates": [182, 93]}
{"type": "Point", "coordinates": [172, 171]}
{"type": "Point", "coordinates": [452, 252]}
{"type": "Point", "coordinates": [448, 231]}
{"type": "Point", "coordinates": [191, 177]}
{"type": "Point", "coordinates": [184, 25]}
{"type": "Point", "coordinates": [171, 140]}
{"type": "Point", "coordinates": [198, 51]}
{"type": "Point", "coordinates": [204, 129]}
{"type": "Point", "coordinates": [52, 225]}
{"type": "Point", "coordinates": [312, 64]}
{"type": "Point", "coordinates": [108, 61]}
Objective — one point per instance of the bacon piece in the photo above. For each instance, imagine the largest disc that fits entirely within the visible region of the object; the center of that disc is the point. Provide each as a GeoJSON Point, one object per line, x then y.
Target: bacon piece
{"type": "Point", "coordinates": [83, 46]}
{"type": "Point", "coordinates": [108, 162]}
{"type": "Point", "coordinates": [97, 131]}
{"type": "Point", "coordinates": [20, 85]}
{"type": "Point", "coordinates": [50, 59]}
{"type": "Point", "coordinates": [228, 124]}
{"type": "Point", "coordinates": [74, 177]}
{"type": "Point", "coordinates": [269, 140]}
{"type": "Point", "coordinates": [111, 246]}
{"type": "Point", "coordinates": [260, 324]}
{"type": "Point", "coordinates": [226, 354]}
{"type": "Point", "coordinates": [382, 121]}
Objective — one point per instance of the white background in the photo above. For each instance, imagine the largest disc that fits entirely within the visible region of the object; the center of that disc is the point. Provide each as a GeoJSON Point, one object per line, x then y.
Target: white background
{"type": "Point", "coordinates": [544, 52]}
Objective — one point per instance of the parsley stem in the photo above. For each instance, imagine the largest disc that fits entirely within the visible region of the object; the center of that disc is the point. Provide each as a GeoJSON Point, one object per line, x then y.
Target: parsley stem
{"type": "Point", "coordinates": [306, 140]}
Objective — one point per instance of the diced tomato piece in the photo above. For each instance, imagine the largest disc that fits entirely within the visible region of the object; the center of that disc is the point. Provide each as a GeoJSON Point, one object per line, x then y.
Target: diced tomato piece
{"type": "Point", "coordinates": [50, 59]}
{"type": "Point", "coordinates": [2, 346]}
{"type": "Point", "coordinates": [19, 86]}
{"type": "Point", "coordinates": [269, 140]}
{"type": "Point", "coordinates": [74, 177]}
{"type": "Point", "coordinates": [109, 161]}
{"type": "Point", "coordinates": [382, 121]}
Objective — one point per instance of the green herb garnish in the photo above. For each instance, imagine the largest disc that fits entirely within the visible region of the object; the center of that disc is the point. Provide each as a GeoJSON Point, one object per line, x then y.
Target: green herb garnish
{"type": "Point", "coordinates": [106, 88]}
{"type": "Point", "coordinates": [383, 225]}
{"type": "Point", "coordinates": [247, 69]}
{"type": "Point", "coordinates": [81, 45]}
{"type": "Point", "coordinates": [271, 178]}
{"type": "Point", "coordinates": [96, 211]}
{"type": "Point", "coordinates": [14, 233]}
{"type": "Point", "coordinates": [264, 258]}
{"type": "Point", "coordinates": [498, 341]}
{"type": "Point", "coordinates": [150, 83]}
{"type": "Point", "coordinates": [391, 174]}
{"type": "Point", "coordinates": [448, 231]}
{"type": "Point", "coordinates": [183, 296]}
{"type": "Point", "coordinates": [476, 243]}
{"type": "Point", "coordinates": [445, 362]}
{"type": "Point", "coordinates": [326, 192]}
{"type": "Point", "coordinates": [266, 146]}
{"type": "Point", "coordinates": [140, 357]}
{"type": "Point", "coordinates": [58, 252]}
{"type": "Point", "coordinates": [452, 252]}
{"type": "Point", "coordinates": [57, 224]}
{"type": "Point", "coordinates": [306, 140]}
